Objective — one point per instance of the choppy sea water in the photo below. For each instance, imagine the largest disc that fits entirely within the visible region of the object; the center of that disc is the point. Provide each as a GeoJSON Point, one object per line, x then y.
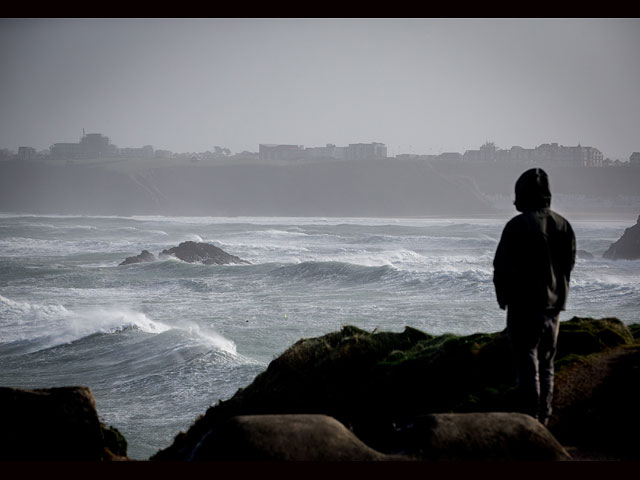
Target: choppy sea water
{"type": "Point", "coordinates": [158, 343]}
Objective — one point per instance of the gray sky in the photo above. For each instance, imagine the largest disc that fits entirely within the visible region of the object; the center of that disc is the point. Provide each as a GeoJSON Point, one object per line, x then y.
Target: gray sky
{"type": "Point", "coordinates": [417, 85]}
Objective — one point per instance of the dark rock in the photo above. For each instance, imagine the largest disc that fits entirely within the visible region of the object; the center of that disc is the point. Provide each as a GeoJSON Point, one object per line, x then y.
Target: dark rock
{"type": "Point", "coordinates": [284, 438]}
{"type": "Point", "coordinates": [490, 436]}
{"type": "Point", "coordinates": [53, 424]}
{"type": "Point", "coordinates": [205, 253]}
{"type": "Point", "coordinates": [114, 441]}
{"type": "Point", "coordinates": [628, 246]}
{"type": "Point", "coordinates": [145, 256]}
{"type": "Point", "coordinates": [584, 255]}
{"type": "Point", "coordinates": [373, 381]}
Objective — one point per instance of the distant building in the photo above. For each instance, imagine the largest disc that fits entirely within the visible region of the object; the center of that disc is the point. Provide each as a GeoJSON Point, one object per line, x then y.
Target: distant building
{"type": "Point", "coordinates": [545, 154]}
{"type": "Point", "coordinates": [91, 145]}
{"type": "Point", "coordinates": [94, 145]}
{"type": "Point", "coordinates": [144, 152]}
{"type": "Point", "coordinates": [472, 156]}
{"type": "Point", "coordinates": [634, 159]}
{"type": "Point", "coordinates": [328, 151]}
{"type": "Point", "coordinates": [521, 155]}
{"type": "Point", "coordinates": [341, 153]}
{"type": "Point", "coordinates": [163, 154]}
{"type": "Point", "coordinates": [449, 157]}
{"type": "Point", "coordinates": [280, 152]}
{"type": "Point", "coordinates": [410, 156]}
{"type": "Point", "coordinates": [5, 153]}
{"type": "Point", "coordinates": [66, 151]}
{"type": "Point", "coordinates": [488, 153]}
{"type": "Point", "coordinates": [578, 156]}
{"type": "Point", "coordinates": [364, 151]}
{"type": "Point", "coordinates": [26, 153]}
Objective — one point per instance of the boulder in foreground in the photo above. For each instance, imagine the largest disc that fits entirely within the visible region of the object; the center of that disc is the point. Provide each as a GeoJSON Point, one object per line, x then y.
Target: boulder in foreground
{"type": "Point", "coordinates": [488, 436]}
{"type": "Point", "coordinates": [55, 424]}
{"type": "Point", "coordinates": [284, 438]}
{"type": "Point", "coordinates": [194, 252]}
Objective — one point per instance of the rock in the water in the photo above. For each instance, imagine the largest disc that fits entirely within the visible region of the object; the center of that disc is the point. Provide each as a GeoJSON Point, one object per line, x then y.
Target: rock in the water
{"type": "Point", "coordinates": [628, 246]}
{"type": "Point", "coordinates": [284, 438]}
{"type": "Point", "coordinates": [584, 255]}
{"type": "Point", "coordinates": [205, 253]}
{"type": "Point", "coordinates": [52, 424]}
{"type": "Point", "coordinates": [145, 256]}
{"type": "Point", "coordinates": [493, 436]}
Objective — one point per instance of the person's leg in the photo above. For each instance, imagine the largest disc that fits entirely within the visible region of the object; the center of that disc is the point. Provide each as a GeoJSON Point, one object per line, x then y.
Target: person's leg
{"type": "Point", "coordinates": [546, 355]}
{"type": "Point", "coordinates": [524, 335]}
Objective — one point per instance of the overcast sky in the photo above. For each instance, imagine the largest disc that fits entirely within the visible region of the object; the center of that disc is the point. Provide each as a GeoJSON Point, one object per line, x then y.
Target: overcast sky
{"type": "Point", "coordinates": [418, 85]}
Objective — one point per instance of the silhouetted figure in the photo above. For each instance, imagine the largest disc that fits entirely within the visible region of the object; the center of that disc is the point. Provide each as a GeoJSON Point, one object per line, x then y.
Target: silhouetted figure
{"type": "Point", "coordinates": [532, 267]}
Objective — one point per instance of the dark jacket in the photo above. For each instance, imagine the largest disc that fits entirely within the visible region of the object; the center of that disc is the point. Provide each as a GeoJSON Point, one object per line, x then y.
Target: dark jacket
{"type": "Point", "coordinates": [537, 250]}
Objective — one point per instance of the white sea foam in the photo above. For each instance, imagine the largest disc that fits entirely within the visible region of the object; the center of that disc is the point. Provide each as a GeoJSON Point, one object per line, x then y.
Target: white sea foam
{"type": "Point", "coordinates": [194, 237]}
{"type": "Point", "coordinates": [209, 337]}
{"type": "Point", "coordinates": [54, 324]}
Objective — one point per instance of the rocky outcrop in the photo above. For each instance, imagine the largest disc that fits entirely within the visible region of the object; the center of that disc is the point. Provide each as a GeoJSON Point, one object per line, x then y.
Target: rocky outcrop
{"type": "Point", "coordinates": [55, 424]}
{"type": "Point", "coordinates": [204, 253]}
{"type": "Point", "coordinates": [375, 382]}
{"type": "Point", "coordinates": [145, 256]}
{"type": "Point", "coordinates": [628, 246]}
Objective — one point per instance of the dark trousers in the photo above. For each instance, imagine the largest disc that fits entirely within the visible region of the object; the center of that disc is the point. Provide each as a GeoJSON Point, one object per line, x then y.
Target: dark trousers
{"type": "Point", "coordinates": [534, 336]}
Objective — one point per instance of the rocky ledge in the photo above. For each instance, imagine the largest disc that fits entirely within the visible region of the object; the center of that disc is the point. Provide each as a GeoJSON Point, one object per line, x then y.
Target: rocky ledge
{"type": "Point", "coordinates": [426, 397]}
{"type": "Point", "coordinates": [626, 247]}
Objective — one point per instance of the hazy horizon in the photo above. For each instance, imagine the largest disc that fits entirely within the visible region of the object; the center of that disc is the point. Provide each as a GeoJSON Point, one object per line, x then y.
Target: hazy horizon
{"type": "Point", "coordinates": [418, 85]}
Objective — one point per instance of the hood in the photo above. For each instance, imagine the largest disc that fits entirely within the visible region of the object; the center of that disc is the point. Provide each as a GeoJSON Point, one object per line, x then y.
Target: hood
{"type": "Point", "coordinates": [532, 190]}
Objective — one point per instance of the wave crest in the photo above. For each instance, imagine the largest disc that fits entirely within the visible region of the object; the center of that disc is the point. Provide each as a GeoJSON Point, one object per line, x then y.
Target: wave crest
{"type": "Point", "coordinates": [45, 326]}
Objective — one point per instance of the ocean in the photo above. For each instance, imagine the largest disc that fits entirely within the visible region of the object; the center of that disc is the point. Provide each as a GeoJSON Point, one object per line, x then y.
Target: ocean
{"type": "Point", "coordinates": [158, 343]}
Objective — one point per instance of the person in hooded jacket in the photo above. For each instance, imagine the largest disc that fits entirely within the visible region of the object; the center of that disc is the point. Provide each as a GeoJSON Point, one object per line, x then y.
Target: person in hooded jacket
{"type": "Point", "coordinates": [532, 268]}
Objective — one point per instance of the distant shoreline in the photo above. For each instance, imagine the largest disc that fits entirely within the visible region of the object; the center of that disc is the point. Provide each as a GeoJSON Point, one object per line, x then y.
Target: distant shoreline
{"type": "Point", "coordinates": [375, 189]}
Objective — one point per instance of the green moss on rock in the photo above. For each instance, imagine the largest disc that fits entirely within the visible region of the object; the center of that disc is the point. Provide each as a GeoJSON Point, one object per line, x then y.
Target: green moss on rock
{"type": "Point", "coordinates": [583, 336]}
{"type": "Point", "coordinates": [634, 328]}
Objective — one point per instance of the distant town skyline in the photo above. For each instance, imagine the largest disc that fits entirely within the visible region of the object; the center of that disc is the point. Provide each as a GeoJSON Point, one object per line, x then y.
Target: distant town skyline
{"type": "Point", "coordinates": [97, 145]}
{"type": "Point", "coordinates": [421, 86]}
{"type": "Point", "coordinates": [97, 142]}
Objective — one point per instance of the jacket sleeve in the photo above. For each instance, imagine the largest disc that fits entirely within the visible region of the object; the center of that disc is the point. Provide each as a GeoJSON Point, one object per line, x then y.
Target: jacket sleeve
{"type": "Point", "coordinates": [500, 269]}
{"type": "Point", "coordinates": [571, 250]}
